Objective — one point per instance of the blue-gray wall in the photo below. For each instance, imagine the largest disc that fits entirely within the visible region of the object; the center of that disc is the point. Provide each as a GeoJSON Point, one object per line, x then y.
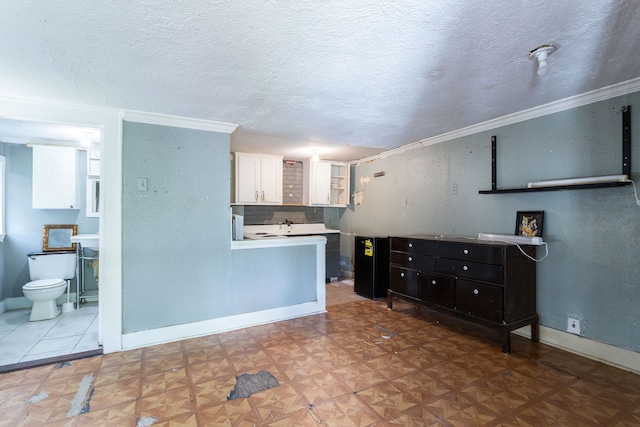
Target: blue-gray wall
{"type": "Point", "coordinates": [175, 236]}
{"type": "Point", "coordinates": [25, 224]}
{"type": "Point", "coordinates": [591, 272]}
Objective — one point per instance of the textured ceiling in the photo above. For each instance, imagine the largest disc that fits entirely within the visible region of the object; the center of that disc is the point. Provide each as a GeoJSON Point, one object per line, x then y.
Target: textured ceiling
{"type": "Point", "coordinates": [298, 75]}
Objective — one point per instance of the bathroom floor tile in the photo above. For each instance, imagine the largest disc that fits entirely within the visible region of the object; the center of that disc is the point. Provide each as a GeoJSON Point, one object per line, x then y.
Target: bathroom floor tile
{"type": "Point", "coordinates": [28, 342]}
{"type": "Point", "coordinates": [62, 345]}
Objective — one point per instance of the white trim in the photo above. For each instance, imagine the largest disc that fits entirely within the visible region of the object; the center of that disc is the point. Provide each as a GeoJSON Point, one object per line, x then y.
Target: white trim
{"type": "Point", "coordinates": [586, 98]}
{"type": "Point", "coordinates": [3, 191]}
{"type": "Point", "coordinates": [3, 306]}
{"type": "Point", "coordinates": [214, 326]}
{"type": "Point", "coordinates": [595, 350]}
{"type": "Point", "coordinates": [110, 122]}
{"type": "Point", "coordinates": [177, 121]}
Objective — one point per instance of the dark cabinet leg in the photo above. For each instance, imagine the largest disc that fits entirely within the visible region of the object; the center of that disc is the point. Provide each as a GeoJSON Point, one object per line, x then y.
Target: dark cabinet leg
{"type": "Point", "coordinates": [506, 340]}
{"type": "Point", "coordinates": [535, 331]}
{"type": "Point", "coordinates": [389, 300]}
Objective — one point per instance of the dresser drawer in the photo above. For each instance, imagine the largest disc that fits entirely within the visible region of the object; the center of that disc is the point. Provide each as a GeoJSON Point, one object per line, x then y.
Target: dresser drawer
{"type": "Point", "coordinates": [404, 281]}
{"type": "Point", "coordinates": [437, 289]}
{"type": "Point", "coordinates": [414, 246]}
{"type": "Point", "coordinates": [471, 270]}
{"type": "Point", "coordinates": [471, 252]}
{"type": "Point", "coordinates": [479, 300]}
{"type": "Point", "coordinates": [413, 261]}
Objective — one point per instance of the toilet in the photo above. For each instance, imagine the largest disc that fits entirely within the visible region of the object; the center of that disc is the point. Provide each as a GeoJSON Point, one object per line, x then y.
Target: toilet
{"type": "Point", "coordinates": [49, 272]}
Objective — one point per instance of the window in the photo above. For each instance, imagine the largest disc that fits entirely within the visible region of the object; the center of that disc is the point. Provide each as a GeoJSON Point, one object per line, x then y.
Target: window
{"type": "Point", "coordinates": [3, 232]}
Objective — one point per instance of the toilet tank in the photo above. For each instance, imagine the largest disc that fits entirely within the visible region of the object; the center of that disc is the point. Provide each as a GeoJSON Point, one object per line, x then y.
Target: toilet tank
{"type": "Point", "coordinates": [52, 265]}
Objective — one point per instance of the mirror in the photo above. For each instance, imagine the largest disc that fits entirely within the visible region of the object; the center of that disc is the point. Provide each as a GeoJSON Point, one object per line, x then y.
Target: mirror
{"type": "Point", "coordinates": [93, 197]}
{"type": "Point", "coordinates": [57, 237]}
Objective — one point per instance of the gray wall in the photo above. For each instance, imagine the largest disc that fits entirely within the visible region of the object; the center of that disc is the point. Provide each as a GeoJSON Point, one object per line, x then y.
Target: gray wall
{"type": "Point", "coordinates": [25, 224]}
{"type": "Point", "coordinates": [591, 272]}
{"type": "Point", "coordinates": [267, 278]}
{"type": "Point", "coordinates": [176, 236]}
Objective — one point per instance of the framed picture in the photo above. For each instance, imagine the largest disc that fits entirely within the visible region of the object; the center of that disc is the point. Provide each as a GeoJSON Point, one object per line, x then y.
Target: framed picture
{"type": "Point", "coordinates": [529, 223]}
{"type": "Point", "coordinates": [57, 237]}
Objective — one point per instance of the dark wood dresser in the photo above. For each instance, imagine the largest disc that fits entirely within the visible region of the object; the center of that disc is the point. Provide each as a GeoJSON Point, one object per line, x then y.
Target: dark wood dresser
{"type": "Point", "coordinates": [489, 283]}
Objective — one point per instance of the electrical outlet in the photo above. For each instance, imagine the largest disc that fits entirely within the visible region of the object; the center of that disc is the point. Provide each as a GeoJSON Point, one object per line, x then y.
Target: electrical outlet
{"type": "Point", "coordinates": [454, 189]}
{"type": "Point", "coordinates": [573, 326]}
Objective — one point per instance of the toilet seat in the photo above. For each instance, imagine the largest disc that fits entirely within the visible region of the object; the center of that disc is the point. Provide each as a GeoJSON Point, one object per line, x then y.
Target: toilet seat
{"type": "Point", "coordinates": [44, 284]}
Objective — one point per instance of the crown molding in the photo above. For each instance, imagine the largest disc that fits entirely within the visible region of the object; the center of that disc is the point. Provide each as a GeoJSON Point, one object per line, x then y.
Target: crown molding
{"type": "Point", "coordinates": [586, 98]}
{"type": "Point", "coordinates": [176, 121]}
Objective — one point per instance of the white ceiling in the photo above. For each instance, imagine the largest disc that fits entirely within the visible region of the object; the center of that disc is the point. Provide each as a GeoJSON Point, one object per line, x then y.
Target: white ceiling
{"type": "Point", "coordinates": [334, 76]}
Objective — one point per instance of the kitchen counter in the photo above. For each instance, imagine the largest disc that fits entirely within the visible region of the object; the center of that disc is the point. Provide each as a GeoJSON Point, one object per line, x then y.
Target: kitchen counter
{"type": "Point", "coordinates": [296, 235]}
{"type": "Point", "coordinates": [276, 242]}
{"type": "Point", "coordinates": [260, 232]}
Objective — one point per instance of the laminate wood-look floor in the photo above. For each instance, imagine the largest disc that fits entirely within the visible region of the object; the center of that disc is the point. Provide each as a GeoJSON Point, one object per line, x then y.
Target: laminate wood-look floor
{"type": "Point", "coordinates": [359, 364]}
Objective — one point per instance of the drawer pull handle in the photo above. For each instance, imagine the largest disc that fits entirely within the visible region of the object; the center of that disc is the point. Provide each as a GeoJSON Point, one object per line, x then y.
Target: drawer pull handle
{"type": "Point", "coordinates": [401, 274]}
{"type": "Point", "coordinates": [410, 245]}
{"type": "Point", "coordinates": [433, 282]}
{"type": "Point", "coordinates": [475, 292]}
{"type": "Point", "coordinates": [465, 268]}
{"type": "Point", "coordinates": [466, 251]}
{"type": "Point", "coordinates": [410, 259]}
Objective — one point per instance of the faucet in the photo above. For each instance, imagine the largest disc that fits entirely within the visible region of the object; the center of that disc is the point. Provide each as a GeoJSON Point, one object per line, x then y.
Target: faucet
{"type": "Point", "coordinates": [286, 221]}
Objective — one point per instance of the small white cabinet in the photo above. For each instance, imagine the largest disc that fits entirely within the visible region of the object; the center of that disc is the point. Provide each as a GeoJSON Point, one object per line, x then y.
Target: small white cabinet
{"type": "Point", "coordinates": [54, 183]}
{"type": "Point", "coordinates": [326, 183]}
{"type": "Point", "coordinates": [258, 179]}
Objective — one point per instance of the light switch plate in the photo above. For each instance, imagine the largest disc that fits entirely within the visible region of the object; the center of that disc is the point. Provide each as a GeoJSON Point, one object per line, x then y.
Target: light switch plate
{"type": "Point", "coordinates": [142, 184]}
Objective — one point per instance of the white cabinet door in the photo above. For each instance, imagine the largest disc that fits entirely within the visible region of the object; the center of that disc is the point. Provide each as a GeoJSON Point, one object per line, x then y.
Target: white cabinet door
{"type": "Point", "coordinates": [271, 180]}
{"type": "Point", "coordinates": [258, 179]}
{"type": "Point", "coordinates": [247, 178]}
{"type": "Point", "coordinates": [54, 183]}
{"type": "Point", "coordinates": [320, 183]}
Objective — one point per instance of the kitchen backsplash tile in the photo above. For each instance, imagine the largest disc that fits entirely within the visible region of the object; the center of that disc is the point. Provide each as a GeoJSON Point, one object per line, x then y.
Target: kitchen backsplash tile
{"type": "Point", "coordinates": [266, 215]}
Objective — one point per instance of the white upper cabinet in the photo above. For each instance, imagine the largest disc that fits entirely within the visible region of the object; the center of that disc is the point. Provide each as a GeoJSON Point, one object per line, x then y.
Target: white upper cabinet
{"type": "Point", "coordinates": [258, 179]}
{"type": "Point", "coordinates": [54, 183]}
{"type": "Point", "coordinates": [326, 183]}
{"type": "Point", "coordinates": [320, 183]}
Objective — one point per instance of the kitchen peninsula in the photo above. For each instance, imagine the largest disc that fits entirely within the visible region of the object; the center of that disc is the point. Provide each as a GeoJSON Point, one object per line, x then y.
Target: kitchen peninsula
{"type": "Point", "coordinates": [277, 278]}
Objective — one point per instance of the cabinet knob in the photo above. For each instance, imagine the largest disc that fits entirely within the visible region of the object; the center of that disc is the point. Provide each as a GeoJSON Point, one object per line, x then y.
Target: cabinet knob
{"type": "Point", "coordinates": [465, 268]}
{"type": "Point", "coordinates": [410, 245]}
{"type": "Point", "coordinates": [401, 274]}
{"type": "Point", "coordinates": [475, 292]}
{"type": "Point", "coordinates": [433, 282]}
{"type": "Point", "coordinates": [410, 259]}
{"type": "Point", "coordinates": [466, 251]}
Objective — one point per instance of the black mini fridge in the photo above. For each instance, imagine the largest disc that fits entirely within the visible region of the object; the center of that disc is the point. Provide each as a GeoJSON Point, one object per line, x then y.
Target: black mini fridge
{"type": "Point", "coordinates": [371, 267]}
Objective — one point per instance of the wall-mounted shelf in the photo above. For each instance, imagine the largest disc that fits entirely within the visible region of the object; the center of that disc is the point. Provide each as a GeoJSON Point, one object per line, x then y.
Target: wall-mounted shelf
{"type": "Point", "coordinates": [556, 188]}
{"type": "Point", "coordinates": [626, 166]}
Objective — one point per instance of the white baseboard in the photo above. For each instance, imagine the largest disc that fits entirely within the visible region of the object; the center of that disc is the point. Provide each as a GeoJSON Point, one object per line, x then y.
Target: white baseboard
{"type": "Point", "coordinates": [215, 326]}
{"type": "Point", "coordinates": [3, 306]}
{"type": "Point", "coordinates": [591, 349]}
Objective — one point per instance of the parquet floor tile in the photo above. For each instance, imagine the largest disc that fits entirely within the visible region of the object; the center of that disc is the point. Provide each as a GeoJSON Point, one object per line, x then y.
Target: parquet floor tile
{"type": "Point", "coordinates": [359, 364]}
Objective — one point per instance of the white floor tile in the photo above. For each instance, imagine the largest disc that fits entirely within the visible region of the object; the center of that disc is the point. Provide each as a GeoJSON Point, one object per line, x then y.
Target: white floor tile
{"type": "Point", "coordinates": [86, 343]}
{"type": "Point", "coordinates": [22, 340]}
{"type": "Point", "coordinates": [64, 345]}
{"type": "Point", "coordinates": [70, 326]}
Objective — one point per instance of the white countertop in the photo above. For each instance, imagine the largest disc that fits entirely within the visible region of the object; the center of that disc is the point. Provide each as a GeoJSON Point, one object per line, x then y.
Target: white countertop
{"type": "Point", "coordinates": [278, 231]}
{"type": "Point", "coordinates": [278, 242]}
